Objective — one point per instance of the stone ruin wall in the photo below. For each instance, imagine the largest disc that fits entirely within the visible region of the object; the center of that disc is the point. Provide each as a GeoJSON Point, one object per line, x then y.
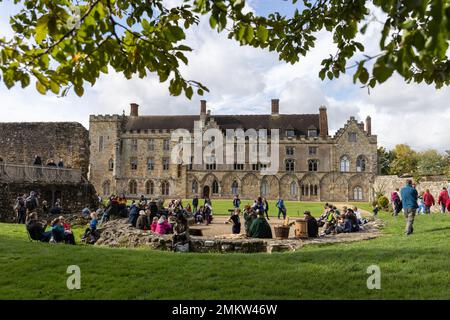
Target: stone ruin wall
{"type": "Point", "coordinates": [74, 197]}
{"type": "Point", "coordinates": [387, 184]}
{"type": "Point", "coordinates": [19, 142]}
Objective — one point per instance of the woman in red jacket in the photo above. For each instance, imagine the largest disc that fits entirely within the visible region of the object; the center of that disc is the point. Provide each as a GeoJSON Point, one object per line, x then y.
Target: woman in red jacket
{"type": "Point", "coordinates": [442, 199]}
{"type": "Point", "coordinates": [428, 200]}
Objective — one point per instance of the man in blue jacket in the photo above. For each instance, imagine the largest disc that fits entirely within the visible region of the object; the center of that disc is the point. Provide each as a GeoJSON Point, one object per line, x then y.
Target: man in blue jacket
{"type": "Point", "coordinates": [409, 201]}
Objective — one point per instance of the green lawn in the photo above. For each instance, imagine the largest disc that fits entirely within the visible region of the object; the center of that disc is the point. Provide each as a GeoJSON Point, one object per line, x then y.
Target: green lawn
{"type": "Point", "coordinates": [414, 267]}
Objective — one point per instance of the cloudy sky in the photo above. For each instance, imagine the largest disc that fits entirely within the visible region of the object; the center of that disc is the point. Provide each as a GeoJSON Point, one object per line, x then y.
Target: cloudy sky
{"type": "Point", "coordinates": [242, 80]}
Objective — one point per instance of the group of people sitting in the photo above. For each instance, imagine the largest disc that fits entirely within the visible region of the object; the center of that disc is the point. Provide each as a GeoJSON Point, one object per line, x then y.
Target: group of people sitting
{"type": "Point", "coordinates": [59, 231]}
{"type": "Point", "coordinates": [333, 221]}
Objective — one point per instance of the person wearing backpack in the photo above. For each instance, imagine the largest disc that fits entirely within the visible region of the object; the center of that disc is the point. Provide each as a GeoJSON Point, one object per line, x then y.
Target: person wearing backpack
{"type": "Point", "coordinates": [21, 210]}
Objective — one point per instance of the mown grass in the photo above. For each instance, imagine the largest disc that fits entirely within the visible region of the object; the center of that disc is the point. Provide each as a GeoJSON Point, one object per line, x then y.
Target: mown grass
{"type": "Point", "coordinates": [414, 267]}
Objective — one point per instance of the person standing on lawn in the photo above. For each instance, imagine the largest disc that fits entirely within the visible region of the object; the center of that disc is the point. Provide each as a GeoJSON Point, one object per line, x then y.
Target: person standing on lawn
{"type": "Point", "coordinates": [266, 208]}
{"type": "Point", "coordinates": [281, 208]}
{"type": "Point", "coordinates": [428, 200]}
{"type": "Point", "coordinates": [409, 201]}
{"type": "Point", "coordinates": [235, 219]}
{"type": "Point", "coordinates": [236, 202]}
{"type": "Point", "coordinates": [442, 199]}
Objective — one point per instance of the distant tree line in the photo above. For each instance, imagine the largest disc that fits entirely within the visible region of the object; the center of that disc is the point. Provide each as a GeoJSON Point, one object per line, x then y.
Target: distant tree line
{"type": "Point", "coordinates": [404, 160]}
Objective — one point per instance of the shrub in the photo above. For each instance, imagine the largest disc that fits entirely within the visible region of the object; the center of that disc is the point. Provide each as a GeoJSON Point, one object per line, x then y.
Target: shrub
{"type": "Point", "coordinates": [383, 202]}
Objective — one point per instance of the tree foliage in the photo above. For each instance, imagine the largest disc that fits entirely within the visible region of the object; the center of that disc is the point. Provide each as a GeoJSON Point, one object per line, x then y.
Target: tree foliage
{"type": "Point", "coordinates": [405, 160]}
{"type": "Point", "coordinates": [61, 44]}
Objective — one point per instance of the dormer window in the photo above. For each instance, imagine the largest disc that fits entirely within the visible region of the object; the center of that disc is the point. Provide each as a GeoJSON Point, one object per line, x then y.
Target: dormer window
{"type": "Point", "coordinates": [312, 132]}
{"type": "Point", "coordinates": [290, 133]}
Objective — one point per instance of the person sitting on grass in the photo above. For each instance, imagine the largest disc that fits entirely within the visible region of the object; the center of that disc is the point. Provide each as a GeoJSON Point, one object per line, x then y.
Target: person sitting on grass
{"type": "Point", "coordinates": [142, 221]}
{"type": "Point", "coordinates": [68, 234]}
{"type": "Point", "coordinates": [154, 224]}
{"type": "Point", "coordinates": [90, 232]}
{"type": "Point", "coordinates": [260, 228]}
{"type": "Point", "coordinates": [36, 228]}
{"type": "Point", "coordinates": [163, 226]}
{"type": "Point", "coordinates": [235, 219]}
{"type": "Point", "coordinates": [350, 221]}
{"type": "Point", "coordinates": [134, 213]}
{"type": "Point", "coordinates": [249, 216]}
{"type": "Point", "coordinates": [313, 228]}
{"type": "Point", "coordinates": [199, 215]}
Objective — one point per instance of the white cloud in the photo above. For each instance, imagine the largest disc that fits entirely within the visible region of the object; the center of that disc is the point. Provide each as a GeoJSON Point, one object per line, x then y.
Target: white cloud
{"type": "Point", "coordinates": [243, 80]}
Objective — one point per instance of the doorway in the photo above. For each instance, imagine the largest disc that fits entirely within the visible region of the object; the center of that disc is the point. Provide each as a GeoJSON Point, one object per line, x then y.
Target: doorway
{"type": "Point", "coordinates": [205, 192]}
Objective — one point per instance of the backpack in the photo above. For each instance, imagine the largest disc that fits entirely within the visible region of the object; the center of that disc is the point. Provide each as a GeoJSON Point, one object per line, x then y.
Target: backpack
{"type": "Point", "coordinates": [30, 203]}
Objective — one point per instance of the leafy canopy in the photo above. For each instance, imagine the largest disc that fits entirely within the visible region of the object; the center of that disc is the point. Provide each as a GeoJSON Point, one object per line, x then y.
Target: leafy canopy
{"type": "Point", "coordinates": [62, 44]}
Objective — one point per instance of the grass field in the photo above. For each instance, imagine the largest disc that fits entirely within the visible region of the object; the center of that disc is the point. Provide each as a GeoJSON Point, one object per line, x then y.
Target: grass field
{"type": "Point", "coordinates": [414, 267]}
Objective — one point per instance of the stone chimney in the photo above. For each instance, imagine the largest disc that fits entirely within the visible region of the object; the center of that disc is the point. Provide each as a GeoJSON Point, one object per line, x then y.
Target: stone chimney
{"type": "Point", "coordinates": [323, 122]}
{"type": "Point", "coordinates": [202, 107]}
{"type": "Point", "coordinates": [134, 110]}
{"type": "Point", "coordinates": [275, 107]}
{"type": "Point", "coordinates": [369, 125]}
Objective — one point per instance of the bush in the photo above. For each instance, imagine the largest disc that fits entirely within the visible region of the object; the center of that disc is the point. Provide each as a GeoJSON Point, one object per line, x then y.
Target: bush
{"type": "Point", "coordinates": [383, 202]}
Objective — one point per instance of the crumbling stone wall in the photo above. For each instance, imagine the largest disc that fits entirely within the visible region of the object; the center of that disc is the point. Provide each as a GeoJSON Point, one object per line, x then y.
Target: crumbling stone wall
{"type": "Point", "coordinates": [19, 142]}
{"type": "Point", "coordinates": [387, 184]}
{"type": "Point", "coordinates": [74, 197]}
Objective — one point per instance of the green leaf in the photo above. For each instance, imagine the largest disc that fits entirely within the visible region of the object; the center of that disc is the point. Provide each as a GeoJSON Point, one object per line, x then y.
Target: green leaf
{"type": "Point", "coordinates": [79, 90]}
{"type": "Point", "coordinates": [249, 34]}
{"type": "Point", "coordinates": [40, 87]}
{"type": "Point", "coordinates": [41, 29]}
{"type": "Point", "coordinates": [262, 33]}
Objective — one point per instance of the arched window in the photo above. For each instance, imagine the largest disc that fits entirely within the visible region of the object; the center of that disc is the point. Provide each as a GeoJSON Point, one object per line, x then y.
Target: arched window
{"type": "Point", "coordinates": [165, 188]}
{"type": "Point", "coordinates": [358, 193]}
{"type": "Point", "coordinates": [293, 188]}
{"type": "Point", "coordinates": [234, 187]}
{"type": "Point", "coordinates": [264, 188]}
{"type": "Point", "coordinates": [290, 165]}
{"type": "Point", "coordinates": [316, 187]}
{"type": "Point", "coordinates": [345, 164]}
{"type": "Point", "coordinates": [215, 187]}
{"type": "Point", "coordinates": [132, 187]}
{"type": "Point", "coordinates": [361, 164]}
{"type": "Point", "coordinates": [106, 188]}
{"type": "Point", "coordinates": [150, 187]}
{"type": "Point", "coordinates": [194, 186]}
{"type": "Point", "coordinates": [312, 165]}
{"type": "Point", "coordinates": [111, 165]}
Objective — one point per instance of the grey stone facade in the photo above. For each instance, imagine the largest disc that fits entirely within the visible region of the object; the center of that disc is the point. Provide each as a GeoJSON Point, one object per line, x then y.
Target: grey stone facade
{"type": "Point", "coordinates": [127, 154]}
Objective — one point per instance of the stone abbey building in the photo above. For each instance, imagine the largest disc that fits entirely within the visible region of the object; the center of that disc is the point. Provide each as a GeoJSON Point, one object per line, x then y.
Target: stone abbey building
{"type": "Point", "coordinates": [131, 154]}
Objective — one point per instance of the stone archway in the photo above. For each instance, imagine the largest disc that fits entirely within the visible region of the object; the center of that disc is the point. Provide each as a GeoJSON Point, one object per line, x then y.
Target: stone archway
{"type": "Point", "coordinates": [334, 187]}
{"type": "Point", "coordinates": [310, 188]}
{"type": "Point", "coordinates": [289, 187]}
{"type": "Point", "coordinates": [250, 186]}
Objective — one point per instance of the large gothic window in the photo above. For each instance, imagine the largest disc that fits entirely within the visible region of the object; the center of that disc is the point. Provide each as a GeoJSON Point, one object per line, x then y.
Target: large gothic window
{"type": "Point", "coordinates": [234, 188]}
{"type": "Point", "coordinates": [215, 187]}
{"type": "Point", "coordinates": [150, 187]}
{"type": "Point", "coordinates": [361, 164]}
{"type": "Point", "coordinates": [312, 165]}
{"type": "Point", "coordinates": [293, 188]}
{"type": "Point", "coordinates": [165, 188]}
{"type": "Point", "coordinates": [194, 186]}
{"type": "Point", "coordinates": [132, 187]}
{"type": "Point", "coordinates": [264, 188]}
{"type": "Point", "coordinates": [345, 164]}
{"type": "Point", "coordinates": [290, 165]}
{"type": "Point", "coordinates": [357, 193]}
